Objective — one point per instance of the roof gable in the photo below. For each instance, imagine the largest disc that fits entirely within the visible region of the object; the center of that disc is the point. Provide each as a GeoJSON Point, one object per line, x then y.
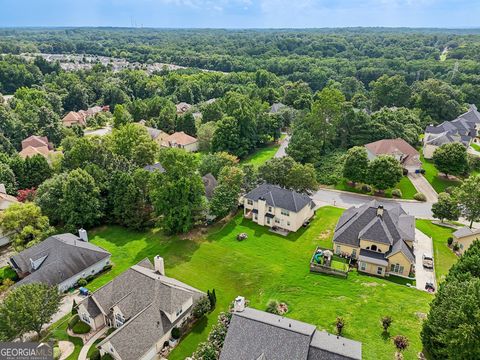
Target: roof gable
{"type": "Point", "coordinates": [279, 197]}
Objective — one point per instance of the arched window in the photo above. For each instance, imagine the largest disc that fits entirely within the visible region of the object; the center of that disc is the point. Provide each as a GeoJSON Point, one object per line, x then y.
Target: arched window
{"type": "Point", "coordinates": [373, 248]}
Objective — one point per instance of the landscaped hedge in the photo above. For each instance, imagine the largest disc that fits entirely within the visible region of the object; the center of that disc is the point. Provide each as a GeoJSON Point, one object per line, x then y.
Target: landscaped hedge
{"type": "Point", "coordinates": [73, 321]}
{"type": "Point", "coordinates": [8, 273]}
{"type": "Point", "coordinates": [81, 328]}
{"type": "Point", "coordinates": [420, 197]}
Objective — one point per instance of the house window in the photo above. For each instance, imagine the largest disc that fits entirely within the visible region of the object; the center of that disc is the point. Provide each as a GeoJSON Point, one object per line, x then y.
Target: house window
{"type": "Point", "coordinates": [338, 249]}
{"type": "Point", "coordinates": [250, 202]}
{"type": "Point", "coordinates": [277, 221]}
{"type": "Point", "coordinates": [119, 320]}
{"type": "Point", "coordinates": [268, 220]}
{"type": "Point", "coordinates": [255, 217]}
{"type": "Point", "coordinates": [288, 223]}
{"type": "Point", "coordinates": [285, 212]}
{"type": "Point", "coordinates": [363, 266]}
{"type": "Point", "coordinates": [373, 248]}
{"type": "Point", "coordinates": [354, 253]}
{"type": "Point", "coordinates": [85, 318]}
{"type": "Point", "coordinates": [396, 268]}
{"type": "Point", "coordinates": [270, 209]}
{"type": "Point", "coordinates": [379, 270]}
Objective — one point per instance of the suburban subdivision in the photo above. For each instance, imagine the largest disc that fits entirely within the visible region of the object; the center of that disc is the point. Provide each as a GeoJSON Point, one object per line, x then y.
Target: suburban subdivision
{"type": "Point", "coordinates": [277, 190]}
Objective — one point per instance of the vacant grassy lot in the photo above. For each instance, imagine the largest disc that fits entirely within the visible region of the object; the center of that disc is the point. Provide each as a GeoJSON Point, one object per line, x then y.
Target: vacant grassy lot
{"type": "Point", "coordinates": [444, 257]}
{"type": "Point", "coordinates": [405, 186]}
{"type": "Point", "coordinates": [263, 154]}
{"type": "Point", "coordinates": [268, 266]}
{"type": "Point", "coordinates": [439, 183]}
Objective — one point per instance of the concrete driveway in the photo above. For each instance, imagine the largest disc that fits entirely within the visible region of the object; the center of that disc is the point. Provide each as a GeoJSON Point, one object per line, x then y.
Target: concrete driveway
{"type": "Point", "coordinates": [423, 186]}
{"type": "Point", "coordinates": [423, 245]}
{"type": "Point", "coordinates": [283, 146]}
{"type": "Point", "coordinates": [345, 200]}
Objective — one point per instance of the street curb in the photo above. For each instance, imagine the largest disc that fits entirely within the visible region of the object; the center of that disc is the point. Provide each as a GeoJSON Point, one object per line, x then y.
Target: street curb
{"type": "Point", "coordinates": [374, 197]}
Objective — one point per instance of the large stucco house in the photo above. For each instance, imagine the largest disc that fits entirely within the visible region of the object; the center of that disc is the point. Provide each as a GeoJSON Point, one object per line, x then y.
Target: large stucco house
{"type": "Point", "coordinates": [142, 306]}
{"type": "Point", "coordinates": [380, 239]}
{"type": "Point", "coordinates": [276, 207]}
{"type": "Point", "coordinates": [258, 335]}
{"type": "Point", "coordinates": [463, 130]}
{"type": "Point", "coordinates": [59, 260]}
{"type": "Point", "coordinates": [405, 153]}
{"type": "Point", "coordinates": [464, 237]}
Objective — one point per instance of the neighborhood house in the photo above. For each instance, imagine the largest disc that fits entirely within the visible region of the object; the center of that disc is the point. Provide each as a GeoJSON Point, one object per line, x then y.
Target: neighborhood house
{"type": "Point", "coordinates": [258, 335]}
{"type": "Point", "coordinates": [157, 135]}
{"type": "Point", "coordinates": [463, 129]}
{"type": "Point", "coordinates": [405, 153]}
{"type": "Point", "coordinates": [182, 108]}
{"type": "Point", "coordinates": [380, 239]}
{"type": "Point", "coordinates": [142, 306]}
{"type": "Point", "coordinates": [278, 208]}
{"type": "Point", "coordinates": [79, 118]}
{"type": "Point", "coordinates": [181, 140]}
{"type": "Point", "coordinates": [60, 260]}
{"type": "Point", "coordinates": [36, 145]}
{"type": "Point", "coordinates": [5, 202]}
{"type": "Point", "coordinates": [464, 237]}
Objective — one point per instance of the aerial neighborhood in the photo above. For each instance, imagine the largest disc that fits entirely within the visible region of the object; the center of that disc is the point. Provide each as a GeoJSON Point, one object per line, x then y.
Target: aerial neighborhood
{"type": "Point", "coordinates": [271, 195]}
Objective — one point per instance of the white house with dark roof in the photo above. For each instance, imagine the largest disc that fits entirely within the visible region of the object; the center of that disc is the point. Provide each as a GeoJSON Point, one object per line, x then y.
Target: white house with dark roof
{"type": "Point", "coordinates": [380, 239]}
{"type": "Point", "coordinates": [463, 130]}
{"type": "Point", "coordinates": [258, 335]}
{"type": "Point", "coordinates": [59, 260]}
{"type": "Point", "coordinates": [276, 207]}
{"type": "Point", "coordinates": [143, 306]}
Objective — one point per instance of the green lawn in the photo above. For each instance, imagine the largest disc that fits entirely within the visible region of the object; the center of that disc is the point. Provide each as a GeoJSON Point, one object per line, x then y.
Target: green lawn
{"type": "Point", "coordinates": [58, 331]}
{"type": "Point", "coordinates": [405, 186]}
{"type": "Point", "coordinates": [475, 146]}
{"type": "Point", "coordinates": [268, 266]}
{"type": "Point", "coordinates": [262, 155]}
{"type": "Point", "coordinates": [443, 256]}
{"type": "Point", "coordinates": [431, 174]}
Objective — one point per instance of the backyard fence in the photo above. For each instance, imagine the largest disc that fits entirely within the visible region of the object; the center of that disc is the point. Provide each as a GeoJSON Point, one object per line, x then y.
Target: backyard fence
{"type": "Point", "coordinates": [324, 269]}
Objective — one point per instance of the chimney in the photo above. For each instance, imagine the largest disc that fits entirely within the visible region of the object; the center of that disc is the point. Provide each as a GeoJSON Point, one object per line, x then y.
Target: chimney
{"type": "Point", "coordinates": [2, 189]}
{"type": "Point", "coordinates": [380, 211]}
{"type": "Point", "coordinates": [159, 264]}
{"type": "Point", "coordinates": [239, 304]}
{"type": "Point", "coordinates": [82, 234]}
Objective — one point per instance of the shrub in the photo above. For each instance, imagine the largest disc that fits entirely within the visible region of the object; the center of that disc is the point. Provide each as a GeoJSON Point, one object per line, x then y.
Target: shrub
{"type": "Point", "coordinates": [420, 197]}
{"type": "Point", "coordinates": [8, 273]}
{"type": "Point", "coordinates": [456, 247]}
{"type": "Point", "coordinates": [107, 357]}
{"type": "Point", "coordinates": [272, 307]}
{"type": "Point", "coordinates": [405, 172]}
{"type": "Point", "coordinates": [90, 278]}
{"type": "Point", "coordinates": [82, 282]}
{"type": "Point", "coordinates": [386, 322]}
{"type": "Point", "coordinates": [339, 324]}
{"type": "Point", "coordinates": [450, 241]}
{"type": "Point", "coordinates": [176, 333]}
{"type": "Point", "coordinates": [366, 188]}
{"type": "Point", "coordinates": [422, 171]}
{"type": "Point", "coordinates": [56, 353]}
{"type": "Point", "coordinates": [400, 342]}
{"type": "Point", "coordinates": [201, 307]}
{"type": "Point", "coordinates": [212, 297]}
{"type": "Point", "coordinates": [397, 193]}
{"type": "Point", "coordinates": [73, 321]}
{"type": "Point", "coordinates": [107, 267]}
{"type": "Point", "coordinates": [450, 190]}
{"type": "Point", "coordinates": [81, 328]}
{"type": "Point", "coordinates": [205, 351]}
{"type": "Point", "coordinates": [95, 355]}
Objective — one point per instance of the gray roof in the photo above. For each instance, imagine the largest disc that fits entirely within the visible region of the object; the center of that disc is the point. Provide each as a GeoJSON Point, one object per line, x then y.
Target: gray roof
{"type": "Point", "coordinates": [393, 227]}
{"type": "Point", "coordinates": [276, 107]}
{"type": "Point", "coordinates": [255, 334]}
{"type": "Point", "coordinates": [154, 133]}
{"type": "Point", "coordinates": [325, 346]}
{"type": "Point", "coordinates": [279, 197]}
{"type": "Point", "coordinates": [57, 259]}
{"type": "Point", "coordinates": [210, 184]}
{"type": "Point", "coordinates": [466, 231]}
{"type": "Point", "coordinates": [400, 246]}
{"type": "Point", "coordinates": [155, 167]}
{"type": "Point", "coordinates": [143, 296]}
{"type": "Point", "coordinates": [373, 257]}
{"type": "Point", "coordinates": [462, 129]}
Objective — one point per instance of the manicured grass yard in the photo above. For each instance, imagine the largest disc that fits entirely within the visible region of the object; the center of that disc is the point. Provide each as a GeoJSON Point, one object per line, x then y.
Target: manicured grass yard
{"type": "Point", "coordinates": [475, 146]}
{"type": "Point", "coordinates": [443, 256]}
{"type": "Point", "coordinates": [405, 186]}
{"type": "Point", "coordinates": [268, 266]}
{"type": "Point", "coordinates": [58, 331]}
{"type": "Point", "coordinates": [263, 154]}
{"type": "Point", "coordinates": [431, 174]}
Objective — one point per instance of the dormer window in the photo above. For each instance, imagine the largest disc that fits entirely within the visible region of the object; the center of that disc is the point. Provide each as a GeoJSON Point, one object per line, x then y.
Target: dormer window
{"type": "Point", "coordinates": [179, 311]}
{"type": "Point", "coordinates": [269, 209]}
{"type": "Point", "coordinates": [250, 202]}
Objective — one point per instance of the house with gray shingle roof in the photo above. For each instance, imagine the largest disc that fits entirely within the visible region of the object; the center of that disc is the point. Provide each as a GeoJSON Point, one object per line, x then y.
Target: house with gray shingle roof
{"type": "Point", "coordinates": [463, 130]}
{"type": "Point", "coordinates": [465, 237]}
{"type": "Point", "coordinates": [276, 207]}
{"type": "Point", "coordinates": [60, 260]}
{"type": "Point", "coordinates": [380, 239]}
{"type": "Point", "coordinates": [255, 335]}
{"type": "Point", "coordinates": [142, 305]}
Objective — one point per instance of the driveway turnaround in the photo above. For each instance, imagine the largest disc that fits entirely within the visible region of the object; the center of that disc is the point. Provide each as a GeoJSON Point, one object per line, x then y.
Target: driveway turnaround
{"type": "Point", "coordinates": [423, 186]}
{"type": "Point", "coordinates": [84, 352]}
{"type": "Point", "coordinates": [423, 245]}
{"type": "Point", "coordinates": [346, 200]}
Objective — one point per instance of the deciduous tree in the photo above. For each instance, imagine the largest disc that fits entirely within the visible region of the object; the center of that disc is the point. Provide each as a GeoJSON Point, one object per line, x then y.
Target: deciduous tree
{"type": "Point", "coordinates": [451, 159]}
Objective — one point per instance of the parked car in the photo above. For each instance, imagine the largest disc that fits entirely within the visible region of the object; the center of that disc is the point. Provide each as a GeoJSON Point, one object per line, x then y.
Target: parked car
{"type": "Point", "coordinates": [427, 261]}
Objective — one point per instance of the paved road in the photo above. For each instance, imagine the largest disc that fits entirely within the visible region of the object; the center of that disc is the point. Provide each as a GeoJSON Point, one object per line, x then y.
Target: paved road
{"type": "Point", "coordinates": [423, 245]}
{"type": "Point", "coordinates": [281, 150]}
{"type": "Point", "coordinates": [423, 186]}
{"type": "Point", "coordinates": [345, 200]}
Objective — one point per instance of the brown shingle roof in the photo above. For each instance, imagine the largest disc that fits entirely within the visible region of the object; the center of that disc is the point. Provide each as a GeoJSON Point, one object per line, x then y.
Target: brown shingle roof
{"type": "Point", "coordinates": [73, 118]}
{"type": "Point", "coordinates": [394, 147]}
{"type": "Point", "coordinates": [32, 151]}
{"type": "Point", "coordinates": [180, 138]}
{"type": "Point", "coordinates": [35, 141]}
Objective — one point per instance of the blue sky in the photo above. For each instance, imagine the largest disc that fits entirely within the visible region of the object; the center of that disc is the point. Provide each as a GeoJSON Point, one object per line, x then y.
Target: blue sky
{"type": "Point", "coordinates": [241, 13]}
